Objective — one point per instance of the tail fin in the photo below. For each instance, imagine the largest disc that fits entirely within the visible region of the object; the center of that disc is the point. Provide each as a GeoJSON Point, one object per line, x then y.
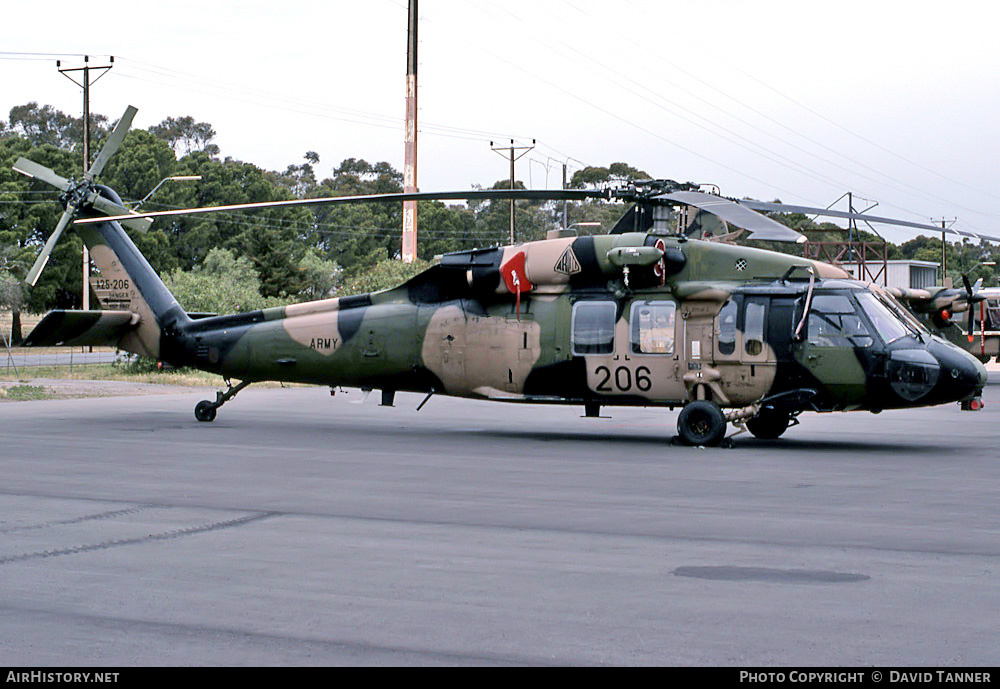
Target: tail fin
{"type": "Point", "coordinates": [128, 283]}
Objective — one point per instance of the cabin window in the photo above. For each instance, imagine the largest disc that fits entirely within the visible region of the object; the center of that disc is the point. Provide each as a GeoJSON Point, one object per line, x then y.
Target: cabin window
{"type": "Point", "coordinates": [834, 322]}
{"type": "Point", "coordinates": [594, 327]}
{"type": "Point", "coordinates": [727, 328]}
{"type": "Point", "coordinates": [653, 327]}
{"type": "Point", "coordinates": [753, 327]}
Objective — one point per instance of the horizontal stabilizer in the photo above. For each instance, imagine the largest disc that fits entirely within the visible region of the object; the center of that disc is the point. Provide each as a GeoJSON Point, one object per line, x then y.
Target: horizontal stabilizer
{"type": "Point", "coordinates": [81, 328]}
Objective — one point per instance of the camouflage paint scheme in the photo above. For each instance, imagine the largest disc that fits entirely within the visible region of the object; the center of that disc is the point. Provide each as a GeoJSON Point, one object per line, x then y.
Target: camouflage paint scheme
{"type": "Point", "coordinates": [498, 324]}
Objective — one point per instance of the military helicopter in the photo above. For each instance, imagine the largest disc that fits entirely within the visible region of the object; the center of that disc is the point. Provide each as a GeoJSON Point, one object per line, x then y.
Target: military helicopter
{"type": "Point", "coordinates": [642, 316]}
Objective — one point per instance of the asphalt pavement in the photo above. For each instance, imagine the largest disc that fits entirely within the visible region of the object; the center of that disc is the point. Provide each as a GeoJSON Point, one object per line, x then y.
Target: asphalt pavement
{"type": "Point", "coordinates": [305, 529]}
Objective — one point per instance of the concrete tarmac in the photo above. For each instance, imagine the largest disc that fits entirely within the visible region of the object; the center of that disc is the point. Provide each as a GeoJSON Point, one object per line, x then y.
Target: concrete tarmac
{"type": "Point", "coordinates": [300, 529]}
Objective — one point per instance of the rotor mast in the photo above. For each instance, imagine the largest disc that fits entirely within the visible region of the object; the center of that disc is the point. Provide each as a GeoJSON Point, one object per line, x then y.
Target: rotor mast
{"type": "Point", "coordinates": [409, 253]}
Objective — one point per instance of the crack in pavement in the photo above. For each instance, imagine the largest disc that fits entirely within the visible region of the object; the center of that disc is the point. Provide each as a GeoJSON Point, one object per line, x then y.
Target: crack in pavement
{"type": "Point", "coordinates": [165, 536]}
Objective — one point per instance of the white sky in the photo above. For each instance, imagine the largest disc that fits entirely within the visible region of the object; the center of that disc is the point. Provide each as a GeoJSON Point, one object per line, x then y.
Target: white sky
{"type": "Point", "coordinates": [803, 101]}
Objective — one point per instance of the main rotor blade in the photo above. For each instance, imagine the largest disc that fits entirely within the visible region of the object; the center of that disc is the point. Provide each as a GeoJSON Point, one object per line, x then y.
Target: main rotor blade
{"type": "Point", "coordinates": [33, 169]}
{"type": "Point", "coordinates": [761, 227]}
{"type": "Point", "coordinates": [43, 257]}
{"type": "Point", "coordinates": [807, 210]}
{"type": "Point", "coordinates": [113, 142]}
{"type": "Point", "coordinates": [111, 208]}
{"type": "Point", "coordinates": [473, 195]}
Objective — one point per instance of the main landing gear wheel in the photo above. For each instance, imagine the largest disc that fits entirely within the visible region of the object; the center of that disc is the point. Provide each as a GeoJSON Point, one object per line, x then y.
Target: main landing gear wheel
{"type": "Point", "coordinates": [701, 423]}
{"type": "Point", "coordinates": [769, 424]}
{"type": "Point", "coordinates": [205, 411]}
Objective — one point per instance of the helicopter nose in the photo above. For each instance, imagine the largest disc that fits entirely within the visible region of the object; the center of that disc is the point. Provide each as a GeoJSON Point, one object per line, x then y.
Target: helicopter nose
{"type": "Point", "coordinates": [963, 375]}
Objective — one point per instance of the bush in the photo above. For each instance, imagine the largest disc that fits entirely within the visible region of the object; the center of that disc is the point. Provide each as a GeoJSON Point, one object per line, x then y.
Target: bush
{"type": "Point", "coordinates": [383, 275]}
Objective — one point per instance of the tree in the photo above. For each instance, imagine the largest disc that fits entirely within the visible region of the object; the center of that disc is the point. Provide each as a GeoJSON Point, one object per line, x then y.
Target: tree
{"type": "Point", "coordinates": [963, 257]}
{"type": "Point", "coordinates": [185, 135]}
{"type": "Point", "coordinates": [13, 294]}
{"type": "Point", "coordinates": [385, 274]}
{"type": "Point", "coordinates": [443, 229]}
{"type": "Point", "coordinates": [492, 225]}
{"type": "Point", "coordinates": [46, 125]}
{"type": "Point", "coordinates": [614, 174]}
{"type": "Point", "coordinates": [223, 283]}
{"type": "Point", "coordinates": [607, 213]}
{"type": "Point", "coordinates": [357, 236]}
{"type": "Point", "coordinates": [142, 161]}
{"type": "Point", "coordinates": [319, 277]}
{"type": "Point", "coordinates": [299, 179]}
{"type": "Point", "coordinates": [275, 240]}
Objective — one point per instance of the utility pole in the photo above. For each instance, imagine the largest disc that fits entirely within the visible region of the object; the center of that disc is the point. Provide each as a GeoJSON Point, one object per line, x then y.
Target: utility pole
{"type": "Point", "coordinates": [565, 203]}
{"type": "Point", "coordinates": [510, 152]}
{"type": "Point", "coordinates": [852, 226]}
{"type": "Point", "coordinates": [409, 252]}
{"type": "Point", "coordinates": [944, 252]}
{"type": "Point", "coordinates": [86, 144]}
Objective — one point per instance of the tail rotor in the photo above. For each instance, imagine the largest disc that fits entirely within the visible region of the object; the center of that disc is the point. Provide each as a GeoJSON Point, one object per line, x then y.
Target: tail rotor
{"type": "Point", "coordinates": [80, 194]}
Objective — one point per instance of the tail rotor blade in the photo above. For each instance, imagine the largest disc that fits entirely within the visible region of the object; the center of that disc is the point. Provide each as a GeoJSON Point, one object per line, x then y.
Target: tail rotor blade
{"type": "Point", "coordinates": [43, 257]}
{"type": "Point", "coordinates": [113, 142]}
{"type": "Point", "coordinates": [33, 169]}
{"type": "Point", "coordinates": [969, 294]}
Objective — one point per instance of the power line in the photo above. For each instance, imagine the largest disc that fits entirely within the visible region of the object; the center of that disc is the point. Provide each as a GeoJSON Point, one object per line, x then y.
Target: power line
{"type": "Point", "coordinates": [545, 41]}
{"type": "Point", "coordinates": [661, 58]}
{"type": "Point", "coordinates": [790, 163]}
{"type": "Point", "coordinates": [280, 101]}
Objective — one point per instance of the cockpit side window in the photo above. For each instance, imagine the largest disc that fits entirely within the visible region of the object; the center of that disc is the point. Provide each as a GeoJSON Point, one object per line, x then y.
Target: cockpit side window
{"type": "Point", "coordinates": [594, 327]}
{"type": "Point", "coordinates": [834, 322]}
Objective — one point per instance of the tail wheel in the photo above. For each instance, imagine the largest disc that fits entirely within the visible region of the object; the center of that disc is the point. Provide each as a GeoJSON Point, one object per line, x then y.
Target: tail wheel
{"type": "Point", "coordinates": [701, 423]}
{"type": "Point", "coordinates": [205, 411]}
{"type": "Point", "coordinates": [769, 424]}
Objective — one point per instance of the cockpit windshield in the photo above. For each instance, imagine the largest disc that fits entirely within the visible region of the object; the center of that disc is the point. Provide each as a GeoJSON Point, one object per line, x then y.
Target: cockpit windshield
{"type": "Point", "coordinates": [890, 325]}
{"type": "Point", "coordinates": [904, 313]}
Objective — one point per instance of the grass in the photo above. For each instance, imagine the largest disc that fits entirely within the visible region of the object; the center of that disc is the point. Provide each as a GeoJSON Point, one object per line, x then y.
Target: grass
{"type": "Point", "coordinates": [128, 373]}
{"type": "Point", "coordinates": [22, 393]}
